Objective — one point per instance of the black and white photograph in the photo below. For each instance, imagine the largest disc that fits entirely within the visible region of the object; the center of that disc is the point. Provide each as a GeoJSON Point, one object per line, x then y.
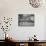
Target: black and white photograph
{"type": "Point", "coordinates": [26, 19]}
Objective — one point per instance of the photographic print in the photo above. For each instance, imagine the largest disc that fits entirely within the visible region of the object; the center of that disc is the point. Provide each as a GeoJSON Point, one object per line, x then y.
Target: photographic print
{"type": "Point", "coordinates": [25, 19]}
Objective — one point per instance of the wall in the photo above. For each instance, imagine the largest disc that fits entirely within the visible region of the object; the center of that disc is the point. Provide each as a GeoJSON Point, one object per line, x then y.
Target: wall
{"type": "Point", "coordinates": [11, 8]}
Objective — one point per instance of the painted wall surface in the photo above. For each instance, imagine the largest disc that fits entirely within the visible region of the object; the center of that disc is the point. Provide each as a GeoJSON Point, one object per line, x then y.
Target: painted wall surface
{"type": "Point", "coordinates": [11, 8]}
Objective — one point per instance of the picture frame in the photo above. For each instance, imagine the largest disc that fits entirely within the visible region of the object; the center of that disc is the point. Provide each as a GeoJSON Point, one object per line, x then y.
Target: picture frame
{"type": "Point", "coordinates": [25, 19]}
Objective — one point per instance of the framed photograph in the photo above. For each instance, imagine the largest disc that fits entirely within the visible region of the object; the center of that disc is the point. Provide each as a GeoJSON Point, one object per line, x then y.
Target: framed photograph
{"type": "Point", "coordinates": [25, 19]}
